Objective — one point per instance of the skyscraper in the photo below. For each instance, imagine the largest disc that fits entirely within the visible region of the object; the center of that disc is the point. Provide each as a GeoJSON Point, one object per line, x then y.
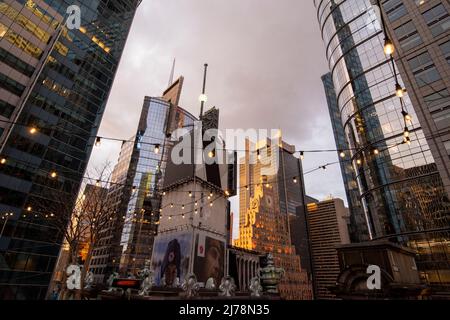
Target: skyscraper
{"type": "Point", "coordinates": [136, 185]}
{"type": "Point", "coordinates": [358, 226]}
{"type": "Point", "coordinates": [54, 85]}
{"type": "Point", "coordinates": [327, 223]}
{"type": "Point", "coordinates": [420, 31]}
{"type": "Point", "coordinates": [271, 203]}
{"type": "Point", "coordinates": [400, 187]}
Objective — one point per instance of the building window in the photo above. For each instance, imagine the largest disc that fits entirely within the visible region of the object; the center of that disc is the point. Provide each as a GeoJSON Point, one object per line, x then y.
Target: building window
{"type": "Point", "coordinates": [437, 19]}
{"type": "Point", "coordinates": [439, 106]}
{"type": "Point", "coordinates": [445, 47]}
{"type": "Point", "coordinates": [394, 9]}
{"type": "Point", "coordinates": [407, 36]}
{"type": "Point", "coordinates": [424, 69]}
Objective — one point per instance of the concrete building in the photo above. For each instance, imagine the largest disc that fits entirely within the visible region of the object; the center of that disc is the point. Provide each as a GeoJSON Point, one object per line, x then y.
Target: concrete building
{"type": "Point", "coordinates": [420, 31]}
{"type": "Point", "coordinates": [54, 86]}
{"type": "Point", "coordinates": [327, 223]}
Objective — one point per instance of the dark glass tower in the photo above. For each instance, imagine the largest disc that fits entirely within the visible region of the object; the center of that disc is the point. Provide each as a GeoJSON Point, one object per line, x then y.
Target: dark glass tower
{"type": "Point", "coordinates": [54, 85]}
{"type": "Point", "coordinates": [358, 225]}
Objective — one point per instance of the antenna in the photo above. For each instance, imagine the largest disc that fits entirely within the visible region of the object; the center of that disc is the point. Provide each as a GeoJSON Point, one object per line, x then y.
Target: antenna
{"type": "Point", "coordinates": [203, 97]}
{"type": "Point", "coordinates": [172, 73]}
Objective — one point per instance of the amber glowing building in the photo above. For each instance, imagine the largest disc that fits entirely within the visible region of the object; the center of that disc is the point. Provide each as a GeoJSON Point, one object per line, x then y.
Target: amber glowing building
{"type": "Point", "coordinates": [269, 196]}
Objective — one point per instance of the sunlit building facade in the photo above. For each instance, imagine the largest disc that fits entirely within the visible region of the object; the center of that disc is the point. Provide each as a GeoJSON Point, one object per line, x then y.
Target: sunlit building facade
{"type": "Point", "coordinates": [268, 198]}
{"type": "Point", "coordinates": [392, 175]}
{"type": "Point", "coordinates": [54, 85]}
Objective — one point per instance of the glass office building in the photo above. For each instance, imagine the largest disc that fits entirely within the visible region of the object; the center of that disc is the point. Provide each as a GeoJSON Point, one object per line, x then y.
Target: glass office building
{"type": "Point", "coordinates": [136, 195]}
{"type": "Point", "coordinates": [54, 85]}
{"type": "Point", "coordinates": [400, 188]}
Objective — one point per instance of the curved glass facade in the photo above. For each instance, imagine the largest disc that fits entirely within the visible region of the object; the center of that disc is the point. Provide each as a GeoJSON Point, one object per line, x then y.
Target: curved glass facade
{"type": "Point", "coordinates": [400, 189]}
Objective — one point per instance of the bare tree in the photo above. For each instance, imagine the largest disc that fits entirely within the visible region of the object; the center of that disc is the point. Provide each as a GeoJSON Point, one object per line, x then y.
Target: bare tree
{"type": "Point", "coordinates": [80, 218]}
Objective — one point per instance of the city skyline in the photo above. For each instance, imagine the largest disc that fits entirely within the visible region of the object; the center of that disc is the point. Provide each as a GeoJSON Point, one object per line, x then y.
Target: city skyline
{"type": "Point", "coordinates": [236, 76]}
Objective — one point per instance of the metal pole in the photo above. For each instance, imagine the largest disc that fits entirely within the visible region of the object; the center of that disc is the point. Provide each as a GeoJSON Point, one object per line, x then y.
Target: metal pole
{"type": "Point", "coordinates": [202, 105]}
{"type": "Point", "coordinates": [4, 225]}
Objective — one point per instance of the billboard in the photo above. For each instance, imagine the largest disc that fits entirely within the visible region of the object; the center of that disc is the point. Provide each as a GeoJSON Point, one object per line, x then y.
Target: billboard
{"type": "Point", "coordinates": [170, 260]}
{"type": "Point", "coordinates": [209, 258]}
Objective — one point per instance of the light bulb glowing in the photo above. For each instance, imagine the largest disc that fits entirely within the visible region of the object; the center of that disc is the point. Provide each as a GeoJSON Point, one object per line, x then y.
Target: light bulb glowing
{"type": "Point", "coordinates": [33, 130]}
{"type": "Point", "coordinates": [53, 174]}
{"type": "Point", "coordinates": [98, 141]}
{"type": "Point", "coordinates": [157, 147]}
{"type": "Point", "coordinates": [190, 194]}
{"type": "Point", "coordinates": [295, 180]}
{"type": "Point", "coordinates": [3, 161]}
{"type": "Point", "coordinates": [302, 155]}
{"type": "Point", "coordinates": [388, 47]}
{"type": "Point", "coordinates": [203, 98]}
{"type": "Point", "coordinates": [399, 90]}
{"type": "Point", "coordinates": [376, 152]}
{"type": "Point", "coordinates": [406, 132]}
{"type": "Point", "coordinates": [342, 154]}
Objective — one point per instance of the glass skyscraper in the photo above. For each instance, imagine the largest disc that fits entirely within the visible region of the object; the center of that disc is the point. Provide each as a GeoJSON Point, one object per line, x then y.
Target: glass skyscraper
{"type": "Point", "coordinates": [54, 85]}
{"type": "Point", "coordinates": [135, 190]}
{"type": "Point", "coordinates": [400, 189]}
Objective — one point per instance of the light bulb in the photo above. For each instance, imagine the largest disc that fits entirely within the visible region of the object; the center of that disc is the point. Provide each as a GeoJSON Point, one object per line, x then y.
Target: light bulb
{"type": "Point", "coordinates": [157, 147]}
{"type": "Point", "coordinates": [388, 47]}
{"type": "Point", "coordinates": [399, 90]}
{"type": "Point", "coordinates": [98, 141]}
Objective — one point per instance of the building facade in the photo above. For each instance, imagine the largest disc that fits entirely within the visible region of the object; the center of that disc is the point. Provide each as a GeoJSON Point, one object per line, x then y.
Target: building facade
{"type": "Point", "coordinates": [54, 85]}
{"type": "Point", "coordinates": [386, 164]}
{"type": "Point", "coordinates": [270, 200]}
{"type": "Point", "coordinates": [327, 223]}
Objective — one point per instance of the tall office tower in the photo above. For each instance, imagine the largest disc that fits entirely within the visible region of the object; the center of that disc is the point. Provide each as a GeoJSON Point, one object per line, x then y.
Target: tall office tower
{"type": "Point", "coordinates": [54, 85]}
{"type": "Point", "coordinates": [271, 197]}
{"type": "Point", "coordinates": [420, 31]}
{"type": "Point", "coordinates": [358, 227]}
{"type": "Point", "coordinates": [193, 230]}
{"type": "Point", "coordinates": [401, 191]}
{"type": "Point", "coordinates": [136, 186]}
{"type": "Point", "coordinates": [327, 223]}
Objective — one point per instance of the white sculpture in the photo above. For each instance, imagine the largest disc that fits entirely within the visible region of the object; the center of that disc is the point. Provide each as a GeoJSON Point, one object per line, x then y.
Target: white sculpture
{"type": "Point", "coordinates": [255, 287]}
{"type": "Point", "coordinates": [190, 286]}
{"type": "Point", "coordinates": [110, 281]}
{"type": "Point", "coordinates": [227, 287]}
{"type": "Point", "coordinates": [89, 280]}
{"type": "Point", "coordinates": [211, 284]}
{"type": "Point", "coordinates": [147, 283]}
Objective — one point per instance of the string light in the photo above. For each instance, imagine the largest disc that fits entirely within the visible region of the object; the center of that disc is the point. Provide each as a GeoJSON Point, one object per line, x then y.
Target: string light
{"type": "Point", "coordinates": [183, 216]}
{"type": "Point", "coordinates": [3, 161]}
{"type": "Point", "coordinates": [406, 116]}
{"type": "Point", "coordinates": [302, 155]}
{"type": "Point", "coordinates": [190, 194]}
{"type": "Point", "coordinates": [407, 140]}
{"type": "Point", "coordinates": [211, 154]}
{"type": "Point", "coordinates": [406, 132]}
{"type": "Point", "coordinates": [324, 168]}
{"type": "Point", "coordinates": [359, 161]}
{"type": "Point", "coordinates": [388, 46]}
{"type": "Point", "coordinates": [53, 174]}
{"type": "Point", "coordinates": [211, 204]}
{"type": "Point", "coordinates": [182, 207]}
{"type": "Point", "coordinates": [33, 130]}
{"type": "Point", "coordinates": [399, 91]}
{"type": "Point", "coordinates": [295, 180]}
{"type": "Point", "coordinates": [157, 147]}
{"type": "Point", "coordinates": [376, 152]}
{"type": "Point", "coordinates": [98, 141]}
{"type": "Point", "coordinates": [342, 154]}
{"type": "Point", "coordinates": [29, 209]}
{"type": "Point", "coordinates": [247, 188]}
{"type": "Point", "coordinates": [196, 203]}
{"type": "Point", "coordinates": [97, 184]}
{"type": "Point", "coordinates": [171, 205]}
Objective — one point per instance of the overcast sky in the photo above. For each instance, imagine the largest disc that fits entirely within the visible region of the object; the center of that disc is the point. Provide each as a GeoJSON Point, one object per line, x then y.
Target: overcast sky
{"type": "Point", "coordinates": [265, 59]}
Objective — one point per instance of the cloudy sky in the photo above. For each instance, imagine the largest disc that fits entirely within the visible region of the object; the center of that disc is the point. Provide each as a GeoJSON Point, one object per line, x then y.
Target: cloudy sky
{"type": "Point", "coordinates": [265, 59]}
